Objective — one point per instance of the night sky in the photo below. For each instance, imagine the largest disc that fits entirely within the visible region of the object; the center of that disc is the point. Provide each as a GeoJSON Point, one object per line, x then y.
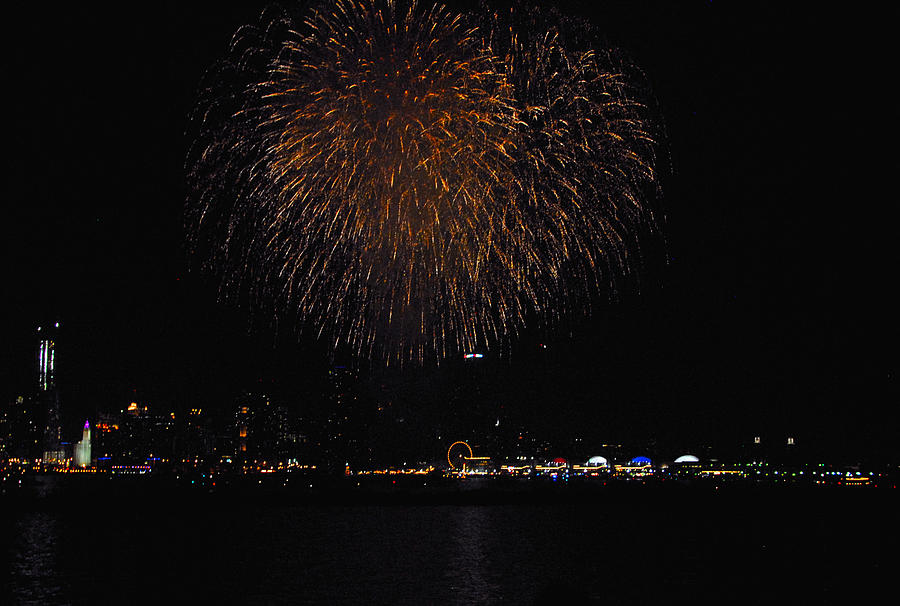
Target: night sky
{"type": "Point", "coordinates": [761, 311]}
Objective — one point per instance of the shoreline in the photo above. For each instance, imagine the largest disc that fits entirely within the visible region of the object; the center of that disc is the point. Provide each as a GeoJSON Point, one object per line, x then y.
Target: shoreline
{"type": "Point", "coordinates": [52, 491]}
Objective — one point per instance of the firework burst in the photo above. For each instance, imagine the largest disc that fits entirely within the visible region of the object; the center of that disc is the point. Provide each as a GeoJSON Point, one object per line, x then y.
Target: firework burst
{"type": "Point", "coordinates": [411, 184]}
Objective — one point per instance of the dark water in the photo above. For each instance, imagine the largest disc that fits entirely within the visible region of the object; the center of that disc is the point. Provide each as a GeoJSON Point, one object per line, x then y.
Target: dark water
{"type": "Point", "coordinates": [766, 547]}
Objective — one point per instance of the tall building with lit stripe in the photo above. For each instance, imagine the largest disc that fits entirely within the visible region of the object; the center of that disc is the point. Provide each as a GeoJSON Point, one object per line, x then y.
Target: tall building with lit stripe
{"type": "Point", "coordinates": [48, 393]}
{"type": "Point", "coordinates": [47, 358]}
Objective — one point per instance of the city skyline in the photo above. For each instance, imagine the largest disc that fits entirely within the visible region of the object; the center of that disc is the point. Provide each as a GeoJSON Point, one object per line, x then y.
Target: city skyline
{"type": "Point", "coordinates": [352, 433]}
{"type": "Point", "coordinates": [740, 318]}
{"type": "Point", "coordinates": [348, 424]}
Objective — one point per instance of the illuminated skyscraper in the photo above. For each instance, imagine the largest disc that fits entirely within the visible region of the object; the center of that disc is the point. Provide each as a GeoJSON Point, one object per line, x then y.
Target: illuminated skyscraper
{"type": "Point", "coordinates": [48, 393]}
{"type": "Point", "coordinates": [83, 448]}
{"type": "Point", "coordinates": [243, 420]}
{"type": "Point", "coordinates": [343, 433]}
{"type": "Point", "coordinates": [47, 358]}
{"type": "Point", "coordinates": [262, 430]}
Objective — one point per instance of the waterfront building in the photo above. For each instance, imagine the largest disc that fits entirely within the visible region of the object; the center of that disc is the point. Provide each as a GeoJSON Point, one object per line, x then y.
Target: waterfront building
{"type": "Point", "coordinates": [48, 394]}
{"type": "Point", "coordinates": [195, 437]}
{"type": "Point", "coordinates": [262, 432]}
{"type": "Point", "coordinates": [593, 466]}
{"type": "Point", "coordinates": [597, 461]}
{"type": "Point", "coordinates": [343, 436]}
{"type": "Point", "coordinates": [134, 436]}
{"type": "Point", "coordinates": [243, 421]}
{"type": "Point", "coordinates": [478, 466]}
{"type": "Point", "coordinates": [554, 467]}
{"type": "Point", "coordinates": [687, 459]}
{"type": "Point", "coordinates": [106, 436]}
{"type": "Point", "coordinates": [21, 430]}
{"type": "Point", "coordinates": [83, 448]}
{"type": "Point", "coordinates": [636, 467]}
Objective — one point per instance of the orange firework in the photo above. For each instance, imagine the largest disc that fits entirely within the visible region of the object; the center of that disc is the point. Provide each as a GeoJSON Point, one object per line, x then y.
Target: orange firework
{"type": "Point", "coordinates": [411, 184]}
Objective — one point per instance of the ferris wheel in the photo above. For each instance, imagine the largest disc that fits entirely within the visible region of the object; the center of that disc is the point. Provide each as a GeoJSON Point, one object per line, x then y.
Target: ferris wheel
{"type": "Point", "coordinates": [457, 454]}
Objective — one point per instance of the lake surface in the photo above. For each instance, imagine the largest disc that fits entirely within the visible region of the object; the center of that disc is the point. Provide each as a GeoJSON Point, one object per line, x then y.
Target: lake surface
{"type": "Point", "coordinates": [765, 547]}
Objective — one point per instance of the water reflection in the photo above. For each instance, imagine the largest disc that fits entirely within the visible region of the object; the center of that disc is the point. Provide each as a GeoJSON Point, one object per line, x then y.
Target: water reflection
{"type": "Point", "coordinates": [630, 551]}
{"type": "Point", "coordinates": [35, 577]}
{"type": "Point", "coordinates": [469, 564]}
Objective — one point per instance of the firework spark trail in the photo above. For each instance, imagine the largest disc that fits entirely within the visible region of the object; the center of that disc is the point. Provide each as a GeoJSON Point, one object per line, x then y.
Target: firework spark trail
{"type": "Point", "coordinates": [412, 184]}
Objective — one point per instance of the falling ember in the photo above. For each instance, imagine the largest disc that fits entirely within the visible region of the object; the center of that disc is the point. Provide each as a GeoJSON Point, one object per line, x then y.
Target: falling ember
{"type": "Point", "coordinates": [412, 184]}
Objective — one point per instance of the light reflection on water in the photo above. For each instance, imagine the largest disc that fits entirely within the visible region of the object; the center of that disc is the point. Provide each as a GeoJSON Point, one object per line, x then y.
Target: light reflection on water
{"type": "Point", "coordinates": [467, 572]}
{"type": "Point", "coordinates": [631, 552]}
{"type": "Point", "coordinates": [280, 555]}
{"type": "Point", "coordinates": [36, 577]}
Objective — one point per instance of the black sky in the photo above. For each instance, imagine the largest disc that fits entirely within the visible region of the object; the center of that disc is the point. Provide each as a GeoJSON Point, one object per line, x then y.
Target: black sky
{"type": "Point", "coordinates": [769, 314]}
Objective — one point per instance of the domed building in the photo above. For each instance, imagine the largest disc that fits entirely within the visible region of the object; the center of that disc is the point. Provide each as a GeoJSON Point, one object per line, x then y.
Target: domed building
{"type": "Point", "coordinates": [638, 467]}
{"type": "Point", "coordinates": [687, 459]}
{"type": "Point", "coordinates": [595, 466]}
